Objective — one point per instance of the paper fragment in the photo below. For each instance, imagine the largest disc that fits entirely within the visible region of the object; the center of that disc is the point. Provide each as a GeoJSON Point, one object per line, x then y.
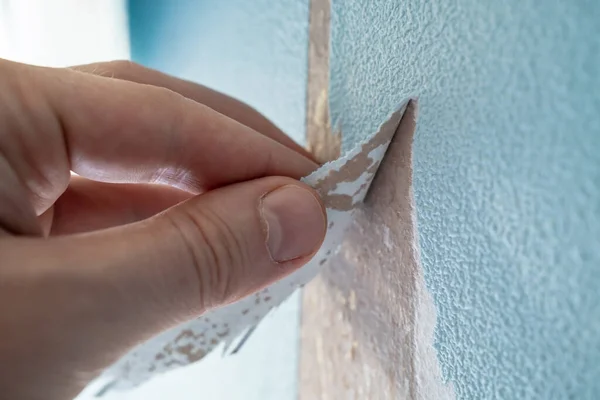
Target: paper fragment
{"type": "Point", "coordinates": [342, 184]}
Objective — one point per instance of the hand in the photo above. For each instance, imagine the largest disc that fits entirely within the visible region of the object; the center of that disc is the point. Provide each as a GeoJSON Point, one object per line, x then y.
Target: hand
{"type": "Point", "coordinates": [180, 205]}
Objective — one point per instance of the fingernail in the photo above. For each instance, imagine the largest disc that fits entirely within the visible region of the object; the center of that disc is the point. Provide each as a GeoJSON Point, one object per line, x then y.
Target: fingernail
{"type": "Point", "coordinates": [295, 222]}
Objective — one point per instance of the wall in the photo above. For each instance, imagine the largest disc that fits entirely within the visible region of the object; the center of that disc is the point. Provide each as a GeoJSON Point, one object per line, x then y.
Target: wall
{"type": "Point", "coordinates": [255, 51]}
{"type": "Point", "coordinates": [59, 33]}
{"type": "Point", "coordinates": [506, 175]}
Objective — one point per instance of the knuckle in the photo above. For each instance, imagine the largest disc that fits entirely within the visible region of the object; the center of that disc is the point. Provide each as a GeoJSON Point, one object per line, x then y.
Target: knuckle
{"type": "Point", "coordinates": [215, 252]}
{"type": "Point", "coordinates": [118, 69]}
{"type": "Point", "coordinates": [122, 69]}
{"type": "Point", "coordinates": [33, 143]}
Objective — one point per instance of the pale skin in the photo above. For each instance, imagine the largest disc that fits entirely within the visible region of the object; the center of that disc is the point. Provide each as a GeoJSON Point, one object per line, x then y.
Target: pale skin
{"type": "Point", "coordinates": [184, 200]}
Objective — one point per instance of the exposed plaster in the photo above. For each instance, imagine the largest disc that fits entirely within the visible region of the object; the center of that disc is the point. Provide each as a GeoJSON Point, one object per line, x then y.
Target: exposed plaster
{"type": "Point", "coordinates": [322, 141]}
{"type": "Point", "coordinates": [367, 327]}
{"type": "Point", "coordinates": [368, 320]}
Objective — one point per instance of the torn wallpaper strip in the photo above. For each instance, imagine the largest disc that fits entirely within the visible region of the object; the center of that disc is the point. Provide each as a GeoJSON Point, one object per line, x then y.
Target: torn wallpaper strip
{"type": "Point", "coordinates": [342, 184]}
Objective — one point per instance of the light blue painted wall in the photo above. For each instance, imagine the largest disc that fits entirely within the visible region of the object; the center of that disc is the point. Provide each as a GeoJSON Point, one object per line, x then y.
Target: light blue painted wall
{"type": "Point", "coordinates": [255, 51]}
{"type": "Point", "coordinates": [506, 176]}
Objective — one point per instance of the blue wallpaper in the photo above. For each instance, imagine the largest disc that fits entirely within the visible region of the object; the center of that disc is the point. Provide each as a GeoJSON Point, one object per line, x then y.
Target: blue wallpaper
{"type": "Point", "coordinates": [506, 176]}
{"type": "Point", "coordinates": [253, 50]}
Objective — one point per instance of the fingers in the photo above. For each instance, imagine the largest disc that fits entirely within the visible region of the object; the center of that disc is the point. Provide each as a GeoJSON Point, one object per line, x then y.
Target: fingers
{"type": "Point", "coordinates": [219, 102]}
{"type": "Point", "coordinates": [113, 130]}
{"type": "Point", "coordinates": [89, 205]}
{"type": "Point", "coordinates": [117, 287]}
{"type": "Point", "coordinates": [126, 132]}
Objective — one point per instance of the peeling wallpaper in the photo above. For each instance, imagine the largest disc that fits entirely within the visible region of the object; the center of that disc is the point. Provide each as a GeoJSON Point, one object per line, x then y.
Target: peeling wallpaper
{"type": "Point", "coordinates": [506, 177]}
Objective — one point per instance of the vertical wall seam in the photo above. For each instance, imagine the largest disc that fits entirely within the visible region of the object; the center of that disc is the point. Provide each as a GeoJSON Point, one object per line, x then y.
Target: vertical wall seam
{"type": "Point", "coordinates": [318, 131]}
{"type": "Point", "coordinates": [321, 141]}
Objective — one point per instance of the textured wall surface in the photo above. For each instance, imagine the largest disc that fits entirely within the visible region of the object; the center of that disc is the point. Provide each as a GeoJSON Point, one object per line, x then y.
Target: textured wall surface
{"type": "Point", "coordinates": [255, 51]}
{"type": "Point", "coordinates": [506, 177]}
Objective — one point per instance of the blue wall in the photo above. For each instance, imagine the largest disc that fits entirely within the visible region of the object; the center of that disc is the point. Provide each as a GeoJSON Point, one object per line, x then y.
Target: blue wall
{"type": "Point", "coordinates": [256, 51]}
{"type": "Point", "coordinates": [253, 50]}
{"type": "Point", "coordinates": [506, 176]}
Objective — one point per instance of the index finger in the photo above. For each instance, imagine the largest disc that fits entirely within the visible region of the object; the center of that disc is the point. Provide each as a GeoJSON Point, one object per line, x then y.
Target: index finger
{"type": "Point", "coordinates": [120, 131]}
{"type": "Point", "coordinates": [219, 102]}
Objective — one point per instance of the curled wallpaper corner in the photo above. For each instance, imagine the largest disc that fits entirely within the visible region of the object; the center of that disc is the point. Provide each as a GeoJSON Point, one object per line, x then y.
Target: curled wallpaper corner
{"type": "Point", "coordinates": [342, 184]}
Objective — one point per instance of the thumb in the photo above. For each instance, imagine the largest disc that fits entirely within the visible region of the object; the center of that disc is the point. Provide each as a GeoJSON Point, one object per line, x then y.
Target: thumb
{"type": "Point", "coordinates": [232, 241]}
{"type": "Point", "coordinates": [206, 252]}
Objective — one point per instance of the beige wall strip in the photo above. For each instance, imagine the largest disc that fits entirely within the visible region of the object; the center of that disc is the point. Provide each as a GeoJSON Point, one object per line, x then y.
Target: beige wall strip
{"type": "Point", "coordinates": [322, 143]}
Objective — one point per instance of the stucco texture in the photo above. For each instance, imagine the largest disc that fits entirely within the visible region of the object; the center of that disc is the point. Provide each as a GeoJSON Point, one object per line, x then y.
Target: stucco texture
{"type": "Point", "coordinates": [255, 51]}
{"type": "Point", "coordinates": [506, 160]}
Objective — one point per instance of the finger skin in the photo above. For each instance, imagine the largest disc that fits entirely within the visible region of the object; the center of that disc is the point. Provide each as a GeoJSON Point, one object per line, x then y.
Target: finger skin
{"type": "Point", "coordinates": [87, 205]}
{"type": "Point", "coordinates": [226, 105]}
{"type": "Point", "coordinates": [151, 134]}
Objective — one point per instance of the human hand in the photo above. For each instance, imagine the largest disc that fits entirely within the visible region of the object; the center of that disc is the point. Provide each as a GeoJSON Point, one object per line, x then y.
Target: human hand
{"type": "Point", "coordinates": [177, 209]}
